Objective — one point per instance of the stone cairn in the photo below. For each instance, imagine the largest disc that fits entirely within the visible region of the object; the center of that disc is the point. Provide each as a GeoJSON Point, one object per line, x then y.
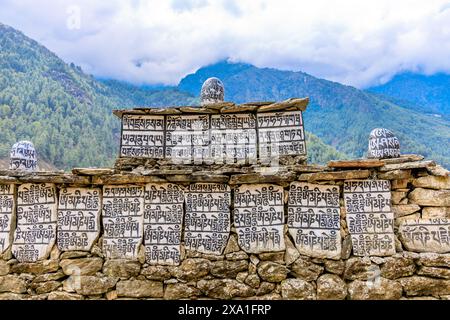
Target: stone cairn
{"type": "Point", "coordinates": [217, 225]}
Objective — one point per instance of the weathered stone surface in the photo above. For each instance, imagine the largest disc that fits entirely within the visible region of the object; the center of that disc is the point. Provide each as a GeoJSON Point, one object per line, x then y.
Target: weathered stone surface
{"type": "Point", "coordinates": [140, 289]}
{"type": "Point", "coordinates": [432, 198]}
{"type": "Point", "coordinates": [60, 178]}
{"type": "Point", "coordinates": [398, 196]}
{"type": "Point", "coordinates": [357, 163]}
{"type": "Point", "coordinates": [297, 289]}
{"type": "Point", "coordinates": [14, 284]}
{"type": "Point", "coordinates": [73, 254]}
{"type": "Point", "coordinates": [180, 291]}
{"type": "Point", "coordinates": [291, 254]}
{"type": "Point", "coordinates": [277, 257]}
{"type": "Point", "coordinates": [298, 103]}
{"type": "Point", "coordinates": [228, 269]}
{"type": "Point", "coordinates": [435, 212]}
{"type": "Point", "coordinates": [305, 269]}
{"type": "Point", "coordinates": [347, 247]}
{"type": "Point", "coordinates": [360, 269]}
{"type": "Point", "coordinates": [4, 268]}
{"type": "Point", "coordinates": [240, 255]}
{"type": "Point", "coordinates": [425, 235]}
{"type": "Point", "coordinates": [272, 272]}
{"type": "Point", "coordinates": [92, 171]}
{"type": "Point", "coordinates": [225, 288]}
{"type": "Point", "coordinates": [45, 287]}
{"type": "Point", "coordinates": [408, 165]}
{"type": "Point", "coordinates": [11, 296]}
{"type": "Point", "coordinates": [334, 266]}
{"type": "Point", "coordinates": [253, 280]}
{"type": "Point", "coordinates": [404, 209]}
{"type": "Point", "coordinates": [82, 266]}
{"type": "Point", "coordinates": [191, 269]}
{"type": "Point", "coordinates": [197, 110]}
{"type": "Point", "coordinates": [232, 245]}
{"type": "Point", "coordinates": [397, 267]}
{"type": "Point", "coordinates": [61, 295]}
{"type": "Point", "coordinates": [331, 287]}
{"type": "Point", "coordinates": [395, 174]}
{"type": "Point", "coordinates": [159, 273]}
{"type": "Point", "coordinates": [279, 177]}
{"type": "Point", "coordinates": [404, 158]}
{"type": "Point", "coordinates": [238, 108]}
{"type": "Point", "coordinates": [423, 286]}
{"type": "Point", "coordinates": [438, 171]}
{"type": "Point", "coordinates": [121, 268]}
{"type": "Point", "coordinates": [434, 272]}
{"type": "Point", "coordinates": [39, 267]}
{"type": "Point", "coordinates": [379, 289]}
{"type": "Point", "coordinates": [89, 285]}
{"type": "Point", "coordinates": [125, 179]}
{"type": "Point", "coordinates": [434, 260]}
{"type": "Point", "coordinates": [218, 178]}
{"type": "Point", "coordinates": [338, 175]}
{"type": "Point", "coordinates": [432, 182]}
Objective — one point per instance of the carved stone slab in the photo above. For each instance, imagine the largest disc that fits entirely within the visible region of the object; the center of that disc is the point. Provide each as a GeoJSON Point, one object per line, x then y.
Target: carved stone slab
{"type": "Point", "coordinates": [187, 138]}
{"type": "Point", "coordinates": [123, 219]}
{"type": "Point", "coordinates": [314, 219]}
{"type": "Point", "coordinates": [426, 235]}
{"type": "Point", "coordinates": [233, 138]}
{"type": "Point", "coordinates": [7, 215]}
{"type": "Point", "coordinates": [142, 136]}
{"type": "Point", "coordinates": [281, 133]}
{"type": "Point", "coordinates": [35, 234]}
{"type": "Point", "coordinates": [207, 218]}
{"type": "Point", "coordinates": [78, 218]}
{"type": "Point", "coordinates": [259, 217]}
{"type": "Point", "coordinates": [163, 218]}
{"type": "Point", "coordinates": [369, 217]}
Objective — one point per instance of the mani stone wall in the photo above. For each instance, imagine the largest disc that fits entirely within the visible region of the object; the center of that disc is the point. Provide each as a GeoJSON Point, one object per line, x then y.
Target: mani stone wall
{"type": "Point", "coordinates": [361, 229]}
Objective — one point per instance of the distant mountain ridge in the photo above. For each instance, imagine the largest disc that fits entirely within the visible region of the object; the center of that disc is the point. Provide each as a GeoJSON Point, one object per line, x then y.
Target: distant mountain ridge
{"type": "Point", "coordinates": [430, 94]}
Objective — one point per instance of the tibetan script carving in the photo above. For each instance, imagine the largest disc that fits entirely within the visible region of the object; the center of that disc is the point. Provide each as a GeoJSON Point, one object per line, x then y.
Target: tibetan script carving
{"type": "Point", "coordinates": [259, 217]}
{"type": "Point", "coordinates": [142, 136]}
{"type": "Point", "coordinates": [35, 234]}
{"type": "Point", "coordinates": [281, 133]}
{"type": "Point", "coordinates": [187, 138]}
{"type": "Point", "coordinates": [78, 218]}
{"type": "Point", "coordinates": [426, 235]}
{"type": "Point", "coordinates": [314, 219]}
{"type": "Point", "coordinates": [7, 215]}
{"type": "Point", "coordinates": [233, 138]}
{"type": "Point", "coordinates": [123, 208]}
{"type": "Point", "coordinates": [207, 218]}
{"type": "Point", "coordinates": [369, 217]}
{"type": "Point", "coordinates": [163, 217]}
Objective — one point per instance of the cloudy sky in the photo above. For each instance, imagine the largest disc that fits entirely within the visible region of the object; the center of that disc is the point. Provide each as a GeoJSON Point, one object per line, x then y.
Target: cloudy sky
{"type": "Point", "coordinates": [355, 42]}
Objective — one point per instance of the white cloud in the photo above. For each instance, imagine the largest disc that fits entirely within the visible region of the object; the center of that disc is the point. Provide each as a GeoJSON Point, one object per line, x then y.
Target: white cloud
{"type": "Point", "coordinates": [354, 42]}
